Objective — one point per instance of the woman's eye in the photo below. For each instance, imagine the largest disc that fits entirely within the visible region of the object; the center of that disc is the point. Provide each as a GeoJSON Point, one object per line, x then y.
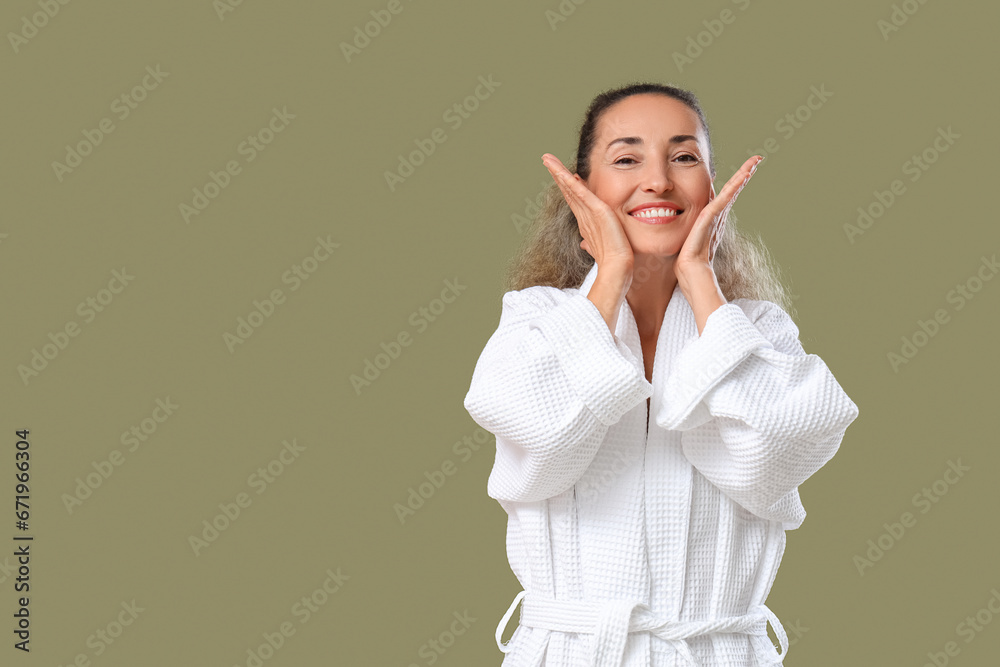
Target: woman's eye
{"type": "Point", "coordinates": [627, 160]}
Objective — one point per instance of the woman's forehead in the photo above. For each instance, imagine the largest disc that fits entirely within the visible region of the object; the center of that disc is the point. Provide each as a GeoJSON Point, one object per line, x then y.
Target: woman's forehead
{"type": "Point", "coordinates": [652, 120]}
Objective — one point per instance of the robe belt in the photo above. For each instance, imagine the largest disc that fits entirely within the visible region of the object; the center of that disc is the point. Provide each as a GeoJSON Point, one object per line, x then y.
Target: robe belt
{"type": "Point", "coordinates": [611, 621]}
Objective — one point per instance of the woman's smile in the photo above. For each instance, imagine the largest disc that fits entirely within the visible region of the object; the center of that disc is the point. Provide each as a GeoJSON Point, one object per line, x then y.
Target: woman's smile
{"type": "Point", "coordinates": [656, 213]}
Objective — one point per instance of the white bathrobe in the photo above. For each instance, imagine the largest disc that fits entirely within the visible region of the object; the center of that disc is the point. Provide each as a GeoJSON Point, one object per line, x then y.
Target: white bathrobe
{"type": "Point", "coordinates": [655, 548]}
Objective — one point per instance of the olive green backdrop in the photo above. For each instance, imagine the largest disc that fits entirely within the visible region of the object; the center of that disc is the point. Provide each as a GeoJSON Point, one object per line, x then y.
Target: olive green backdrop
{"type": "Point", "coordinates": [200, 247]}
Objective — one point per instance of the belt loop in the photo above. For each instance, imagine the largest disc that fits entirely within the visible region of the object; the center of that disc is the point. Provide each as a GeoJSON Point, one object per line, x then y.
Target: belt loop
{"type": "Point", "coordinates": [503, 622]}
{"type": "Point", "coordinates": [779, 630]}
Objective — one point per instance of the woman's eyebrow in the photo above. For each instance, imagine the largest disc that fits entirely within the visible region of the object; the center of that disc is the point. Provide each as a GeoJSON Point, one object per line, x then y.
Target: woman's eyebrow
{"type": "Point", "coordinates": [633, 141]}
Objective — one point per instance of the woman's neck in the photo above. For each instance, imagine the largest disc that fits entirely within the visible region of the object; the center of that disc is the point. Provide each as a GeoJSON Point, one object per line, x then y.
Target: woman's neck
{"type": "Point", "coordinates": [653, 283]}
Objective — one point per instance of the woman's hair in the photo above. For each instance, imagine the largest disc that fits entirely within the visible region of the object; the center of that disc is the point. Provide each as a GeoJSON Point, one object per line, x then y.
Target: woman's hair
{"type": "Point", "coordinates": [550, 253]}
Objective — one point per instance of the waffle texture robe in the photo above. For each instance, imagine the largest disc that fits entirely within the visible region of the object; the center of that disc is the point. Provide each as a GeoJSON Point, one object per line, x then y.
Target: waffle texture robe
{"type": "Point", "coordinates": [649, 548]}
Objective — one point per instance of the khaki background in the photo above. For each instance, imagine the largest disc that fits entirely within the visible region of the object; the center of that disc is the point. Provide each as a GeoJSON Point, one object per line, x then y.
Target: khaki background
{"type": "Point", "coordinates": [323, 177]}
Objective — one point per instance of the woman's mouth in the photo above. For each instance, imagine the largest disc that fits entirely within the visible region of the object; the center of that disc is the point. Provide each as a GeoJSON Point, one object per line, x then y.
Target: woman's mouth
{"type": "Point", "coordinates": [656, 216]}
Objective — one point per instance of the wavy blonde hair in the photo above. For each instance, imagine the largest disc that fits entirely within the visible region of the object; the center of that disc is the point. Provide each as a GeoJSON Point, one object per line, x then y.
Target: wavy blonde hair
{"type": "Point", "coordinates": [550, 253]}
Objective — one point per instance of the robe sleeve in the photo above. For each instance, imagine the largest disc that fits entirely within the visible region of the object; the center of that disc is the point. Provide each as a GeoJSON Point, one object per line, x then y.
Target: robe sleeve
{"type": "Point", "coordinates": [550, 382]}
{"type": "Point", "coordinates": [759, 416]}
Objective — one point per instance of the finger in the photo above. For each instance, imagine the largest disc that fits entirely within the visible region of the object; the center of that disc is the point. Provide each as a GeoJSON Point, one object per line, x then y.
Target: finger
{"type": "Point", "coordinates": [581, 209]}
{"type": "Point", "coordinates": [739, 180]}
{"type": "Point", "coordinates": [562, 177]}
{"type": "Point", "coordinates": [718, 208]}
{"type": "Point", "coordinates": [577, 206]}
{"type": "Point", "coordinates": [572, 181]}
{"type": "Point", "coordinates": [568, 194]}
{"type": "Point", "coordinates": [572, 198]}
{"type": "Point", "coordinates": [554, 164]}
{"type": "Point", "coordinates": [706, 234]}
{"type": "Point", "coordinates": [583, 194]}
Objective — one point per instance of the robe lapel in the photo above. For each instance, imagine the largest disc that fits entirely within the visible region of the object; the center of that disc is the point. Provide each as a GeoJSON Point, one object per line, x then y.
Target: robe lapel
{"type": "Point", "coordinates": [666, 475]}
{"type": "Point", "coordinates": [610, 498]}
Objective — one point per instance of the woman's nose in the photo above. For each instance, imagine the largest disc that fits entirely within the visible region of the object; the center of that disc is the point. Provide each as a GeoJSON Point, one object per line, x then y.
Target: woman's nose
{"type": "Point", "coordinates": [657, 179]}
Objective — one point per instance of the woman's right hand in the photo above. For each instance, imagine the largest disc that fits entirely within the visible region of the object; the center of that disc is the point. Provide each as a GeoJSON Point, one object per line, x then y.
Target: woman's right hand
{"type": "Point", "coordinates": [601, 227]}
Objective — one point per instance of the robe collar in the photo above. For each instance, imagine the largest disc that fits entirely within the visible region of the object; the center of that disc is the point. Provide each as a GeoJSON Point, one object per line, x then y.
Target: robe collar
{"type": "Point", "coordinates": [678, 328]}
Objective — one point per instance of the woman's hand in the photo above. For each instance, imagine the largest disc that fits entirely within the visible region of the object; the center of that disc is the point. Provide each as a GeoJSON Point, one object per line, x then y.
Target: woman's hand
{"type": "Point", "coordinates": [699, 248]}
{"type": "Point", "coordinates": [693, 267]}
{"type": "Point", "coordinates": [601, 227]}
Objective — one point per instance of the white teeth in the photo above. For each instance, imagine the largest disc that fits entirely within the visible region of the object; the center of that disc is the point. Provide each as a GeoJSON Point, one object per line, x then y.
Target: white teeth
{"type": "Point", "coordinates": [654, 213]}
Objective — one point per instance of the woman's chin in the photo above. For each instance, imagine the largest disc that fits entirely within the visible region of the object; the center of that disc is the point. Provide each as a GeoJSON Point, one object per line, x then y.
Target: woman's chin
{"type": "Point", "coordinates": [655, 251]}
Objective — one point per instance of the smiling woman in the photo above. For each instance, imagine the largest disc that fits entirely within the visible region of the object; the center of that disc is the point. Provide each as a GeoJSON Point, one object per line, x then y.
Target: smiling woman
{"type": "Point", "coordinates": [551, 252]}
{"type": "Point", "coordinates": [654, 411]}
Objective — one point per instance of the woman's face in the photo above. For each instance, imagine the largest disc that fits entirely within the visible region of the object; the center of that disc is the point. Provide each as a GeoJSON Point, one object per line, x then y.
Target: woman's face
{"type": "Point", "coordinates": [664, 160]}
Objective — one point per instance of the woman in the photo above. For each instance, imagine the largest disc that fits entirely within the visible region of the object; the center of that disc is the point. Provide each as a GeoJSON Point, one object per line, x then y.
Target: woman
{"type": "Point", "coordinates": [638, 540]}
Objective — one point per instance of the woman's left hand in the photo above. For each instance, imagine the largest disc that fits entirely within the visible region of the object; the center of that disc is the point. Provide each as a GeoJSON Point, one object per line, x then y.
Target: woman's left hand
{"type": "Point", "coordinates": [699, 248]}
